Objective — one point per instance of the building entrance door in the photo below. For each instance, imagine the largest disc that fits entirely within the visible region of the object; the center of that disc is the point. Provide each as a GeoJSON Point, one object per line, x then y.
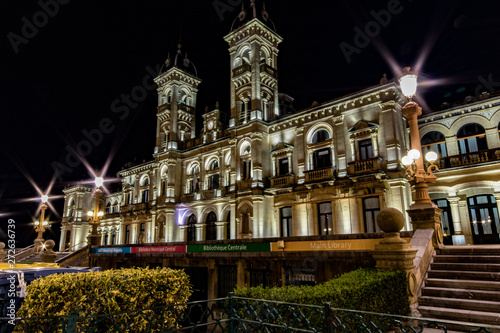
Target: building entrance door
{"type": "Point", "coordinates": [485, 224]}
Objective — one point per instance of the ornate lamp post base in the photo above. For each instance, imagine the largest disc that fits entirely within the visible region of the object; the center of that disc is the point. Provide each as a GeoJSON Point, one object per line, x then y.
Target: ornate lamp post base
{"type": "Point", "coordinates": [94, 240]}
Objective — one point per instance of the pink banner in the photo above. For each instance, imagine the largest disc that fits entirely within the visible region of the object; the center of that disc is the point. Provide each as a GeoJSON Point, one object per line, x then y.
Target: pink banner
{"type": "Point", "coordinates": [158, 249]}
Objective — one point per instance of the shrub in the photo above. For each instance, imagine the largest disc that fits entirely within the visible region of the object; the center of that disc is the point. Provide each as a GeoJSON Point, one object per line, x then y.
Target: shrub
{"type": "Point", "coordinates": [107, 292]}
{"type": "Point", "coordinates": [363, 289]}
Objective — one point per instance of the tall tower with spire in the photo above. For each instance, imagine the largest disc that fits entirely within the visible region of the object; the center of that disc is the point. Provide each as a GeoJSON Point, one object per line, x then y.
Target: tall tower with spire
{"type": "Point", "coordinates": [177, 89]}
{"type": "Point", "coordinates": [253, 47]}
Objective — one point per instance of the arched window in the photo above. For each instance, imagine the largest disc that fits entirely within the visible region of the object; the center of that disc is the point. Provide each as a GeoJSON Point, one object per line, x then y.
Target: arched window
{"type": "Point", "coordinates": [71, 206]}
{"type": "Point", "coordinates": [434, 141]}
{"type": "Point", "coordinates": [214, 164]}
{"type": "Point", "coordinates": [485, 225]}
{"type": "Point", "coordinates": [108, 208]}
{"type": "Point", "coordinates": [113, 237]}
{"type": "Point", "coordinates": [320, 136]}
{"type": "Point", "coordinates": [115, 207]}
{"type": "Point", "coordinates": [145, 181]}
{"type": "Point", "coordinates": [471, 138]}
{"type": "Point", "coordinates": [191, 228]}
{"type": "Point", "coordinates": [105, 237]}
{"type": "Point", "coordinates": [211, 231]}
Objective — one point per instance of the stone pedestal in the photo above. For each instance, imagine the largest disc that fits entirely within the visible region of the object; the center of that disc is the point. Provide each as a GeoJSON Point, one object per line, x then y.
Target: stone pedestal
{"type": "Point", "coordinates": [93, 240]}
{"type": "Point", "coordinates": [49, 256]}
{"type": "Point", "coordinates": [394, 253]}
{"type": "Point", "coordinates": [3, 253]}
{"type": "Point", "coordinates": [38, 245]}
{"type": "Point", "coordinates": [428, 218]}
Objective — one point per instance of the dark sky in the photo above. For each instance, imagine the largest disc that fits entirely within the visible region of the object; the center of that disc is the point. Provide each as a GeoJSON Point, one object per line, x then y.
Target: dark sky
{"type": "Point", "coordinates": [59, 80]}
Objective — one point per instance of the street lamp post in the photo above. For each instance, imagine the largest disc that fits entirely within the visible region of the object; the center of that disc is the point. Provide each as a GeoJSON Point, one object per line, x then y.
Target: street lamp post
{"type": "Point", "coordinates": [423, 213]}
{"type": "Point", "coordinates": [95, 215]}
{"type": "Point", "coordinates": [40, 225]}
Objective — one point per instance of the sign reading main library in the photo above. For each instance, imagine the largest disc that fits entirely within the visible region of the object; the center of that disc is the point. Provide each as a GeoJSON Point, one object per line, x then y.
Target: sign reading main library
{"type": "Point", "coordinates": [246, 247]}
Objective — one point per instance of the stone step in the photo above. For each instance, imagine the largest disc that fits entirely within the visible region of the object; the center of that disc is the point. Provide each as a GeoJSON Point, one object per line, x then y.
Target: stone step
{"type": "Point", "coordinates": [486, 295]}
{"type": "Point", "coordinates": [470, 250]}
{"type": "Point", "coordinates": [467, 258]}
{"type": "Point", "coordinates": [487, 318]}
{"type": "Point", "coordinates": [465, 275]}
{"type": "Point", "coordinates": [455, 266]}
{"type": "Point", "coordinates": [463, 284]}
{"type": "Point", "coordinates": [460, 303]}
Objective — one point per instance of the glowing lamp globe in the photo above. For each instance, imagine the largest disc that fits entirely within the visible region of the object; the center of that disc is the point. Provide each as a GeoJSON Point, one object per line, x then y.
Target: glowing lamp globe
{"type": "Point", "coordinates": [100, 214]}
{"type": "Point", "coordinates": [90, 213]}
{"type": "Point", "coordinates": [408, 82]}
{"type": "Point", "coordinates": [99, 181]}
{"type": "Point", "coordinates": [414, 154]}
{"type": "Point", "coordinates": [406, 160]}
{"type": "Point", "coordinates": [431, 156]}
{"type": "Point", "coordinates": [45, 223]}
{"type": "Point", "coordinates": [45, 198]}
{"type": "Point", "coordinates": [37, 223]}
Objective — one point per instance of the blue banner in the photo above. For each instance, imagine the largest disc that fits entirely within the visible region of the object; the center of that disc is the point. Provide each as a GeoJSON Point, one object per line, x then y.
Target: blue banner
{"type": "Point", "coordinates": [111, 250]}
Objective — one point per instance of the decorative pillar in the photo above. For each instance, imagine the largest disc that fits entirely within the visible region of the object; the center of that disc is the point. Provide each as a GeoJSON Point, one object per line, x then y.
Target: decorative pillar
{"type": "Point", "coordinates": [455, 215]}
{"type": "Point", "coordinates": [374, 144]}
{"type": "Point", "coordinates": [221, 230]}
{"type": "Point", "coordinates": [274, 165]}
{"type": "Point", "coordinates": [200, 231]}
{"type": "Point", "coordinates": [394, 253]}
{"type": "Point", "coordinates": [183, 233]}
{"type": "Point", "coordinates": [353, 151]}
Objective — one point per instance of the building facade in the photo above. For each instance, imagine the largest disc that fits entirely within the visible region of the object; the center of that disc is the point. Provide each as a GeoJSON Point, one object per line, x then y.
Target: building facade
{"type": "Point", "coordinates": [274, 172]}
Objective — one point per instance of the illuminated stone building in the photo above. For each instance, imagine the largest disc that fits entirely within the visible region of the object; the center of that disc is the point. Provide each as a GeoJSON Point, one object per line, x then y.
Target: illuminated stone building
{"type": "Point", "coordinates": [276, 173]}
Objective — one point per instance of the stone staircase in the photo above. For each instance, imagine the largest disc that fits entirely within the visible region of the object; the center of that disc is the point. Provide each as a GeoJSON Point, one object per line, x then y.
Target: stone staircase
{"type": "Point", "coordinates": [35, 257]}
{"type": "Point", "coordinates": [463, 284]}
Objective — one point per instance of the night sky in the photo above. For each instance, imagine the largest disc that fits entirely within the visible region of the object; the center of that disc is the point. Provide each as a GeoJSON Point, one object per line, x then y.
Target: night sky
{"type": "Point", "coordinates": [62, 73]}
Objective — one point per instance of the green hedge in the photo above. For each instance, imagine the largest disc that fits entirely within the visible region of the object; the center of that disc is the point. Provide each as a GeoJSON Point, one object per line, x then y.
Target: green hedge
{"type": "Point", "coordinates": [111, 291]}
{"type": "Point", "coordinates": [363, 289]}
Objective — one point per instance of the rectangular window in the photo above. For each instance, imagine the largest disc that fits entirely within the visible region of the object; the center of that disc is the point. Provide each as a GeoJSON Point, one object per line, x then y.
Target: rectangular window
{"type": "Point", "coordinates": [322, 158]}
{"type": "Point", "coordinates": [365, 149]}
{"type": "Point", "coordinates": [283, 166]}
{"type": "Point", "coordinates": [371, 208]}
{"type": "Point", "coordinates": [325, 218]}
{"type": "Point", "coordinates": [127, 234]}
{"type": "Point", "coordinates": [286, 222]}
{"type": "Point", "coordinates": [213, 182]}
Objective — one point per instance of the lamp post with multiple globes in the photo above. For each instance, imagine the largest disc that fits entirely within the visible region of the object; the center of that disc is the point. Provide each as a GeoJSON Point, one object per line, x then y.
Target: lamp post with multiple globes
{"type": "Point", "coordinates": [41, 225]}
{"type": "Point", "coordinates": [424, 214]}
{"type": "Point", "coordinates": [95, 215]}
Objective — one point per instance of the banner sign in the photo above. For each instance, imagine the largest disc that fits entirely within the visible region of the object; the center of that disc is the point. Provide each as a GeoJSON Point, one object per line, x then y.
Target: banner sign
{"type": "Point", "coordinates": [331, 245]}
{"type": "Point", "coordinates": [247, 247]}
{"type": "Point", "coordinates": [159, 249]}
{"type": "Point", "coordinates": [111, 250]}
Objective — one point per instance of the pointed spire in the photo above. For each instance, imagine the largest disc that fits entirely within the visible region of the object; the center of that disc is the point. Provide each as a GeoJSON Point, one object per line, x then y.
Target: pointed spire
{"type": "Point", "coordinates": [252, 4]}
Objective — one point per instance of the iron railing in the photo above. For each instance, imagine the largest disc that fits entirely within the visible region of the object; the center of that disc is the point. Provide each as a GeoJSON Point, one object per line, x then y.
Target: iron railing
{"type": "Point", "coordinates": [238, 314]}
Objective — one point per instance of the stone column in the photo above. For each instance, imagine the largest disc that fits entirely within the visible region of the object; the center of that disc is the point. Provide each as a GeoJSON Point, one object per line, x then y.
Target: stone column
{"type": "Point", "coordinates": [183, 233]}
{"type": "Point", "coordinates": [200, 231]}
{"type": "Point", "coordinates": [221, 230]}
{"type": "Point", "coordinates": [353, 150]}
{"type": "Point", "coordinates": [374, 144]}
{"type": "Point", "coordinates": [455, 215]}
{"type": "Point", "coordinates": [274, 166]}
{"type": "Point", "coordinates": [464, 217]}
{"type": "Point", "coordinates": [394, 253]}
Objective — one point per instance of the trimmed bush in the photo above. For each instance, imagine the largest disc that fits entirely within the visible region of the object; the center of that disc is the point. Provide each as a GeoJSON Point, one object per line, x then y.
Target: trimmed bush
{"type": "Point", "coordinates": [107, 292]}
{"type": "Point", "coordinates": [363, 289]}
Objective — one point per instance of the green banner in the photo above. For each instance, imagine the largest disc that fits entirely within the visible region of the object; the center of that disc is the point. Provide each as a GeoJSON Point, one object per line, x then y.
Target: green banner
{"type": "Point", "coordinates": [247, 247]}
